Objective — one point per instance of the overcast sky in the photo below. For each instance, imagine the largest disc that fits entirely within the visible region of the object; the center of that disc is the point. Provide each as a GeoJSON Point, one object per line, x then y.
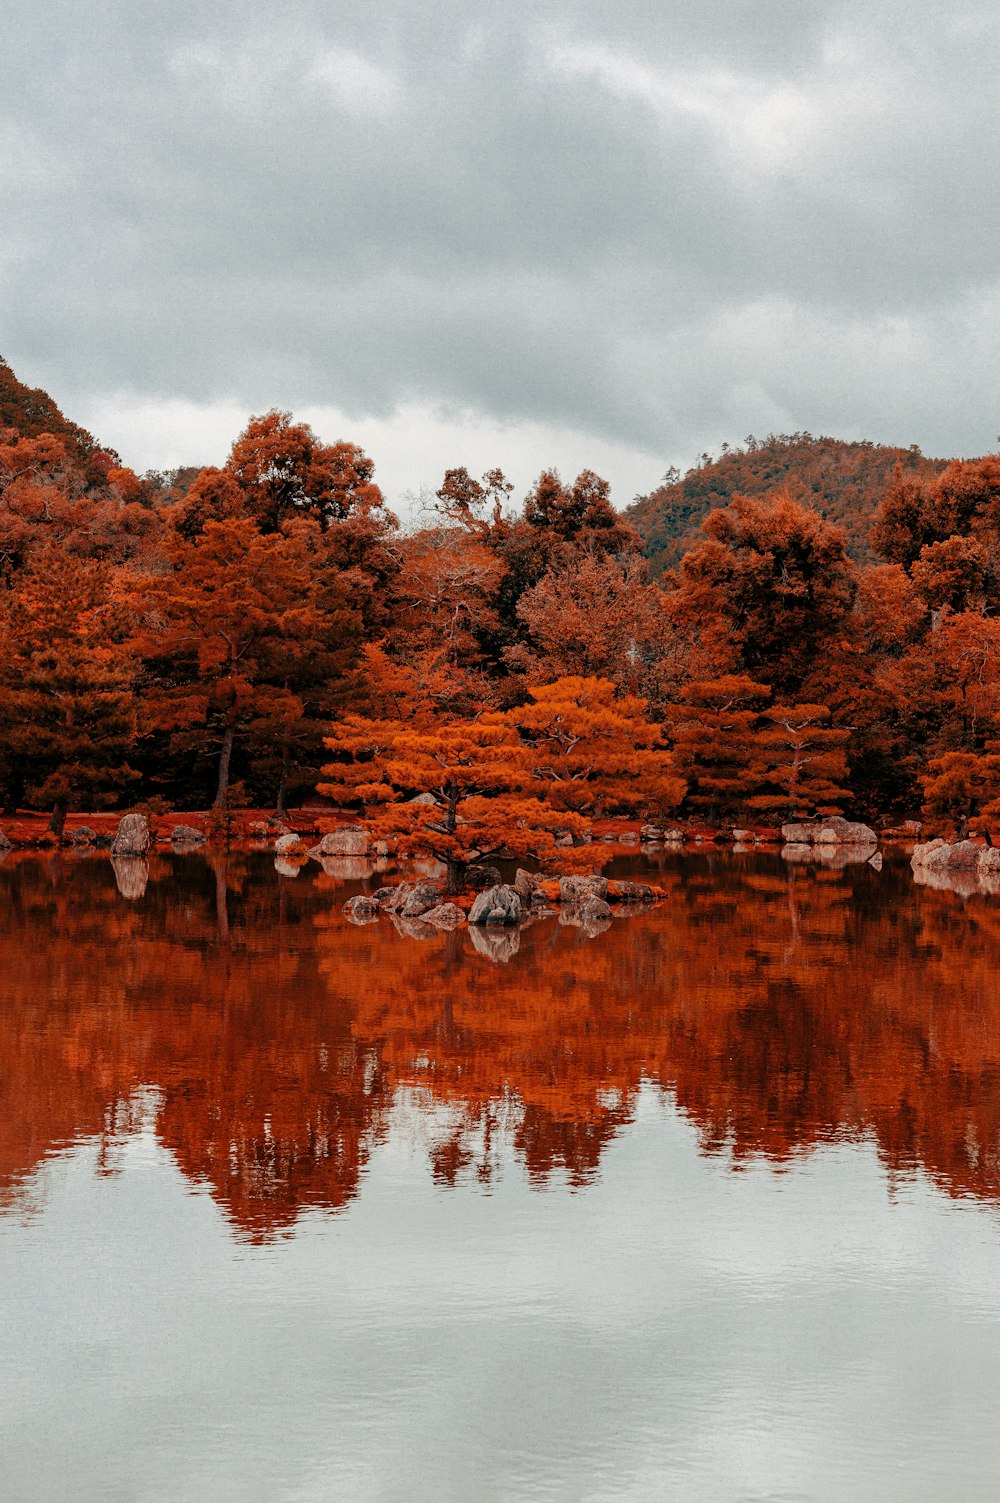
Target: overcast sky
{"type": "Point", "coordinates": [602, 233]}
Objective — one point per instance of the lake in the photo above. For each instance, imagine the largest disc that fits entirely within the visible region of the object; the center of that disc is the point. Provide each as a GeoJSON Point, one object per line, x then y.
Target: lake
{"type": "Point", "coordinates": [702, 1207]}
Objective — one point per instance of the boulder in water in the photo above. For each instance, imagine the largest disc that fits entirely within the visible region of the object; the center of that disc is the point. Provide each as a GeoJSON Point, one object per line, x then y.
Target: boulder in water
{"type": "Point", "coordinates": [578, 889]}
{"type": "Point", "coordinates": [497, 905]}
{"type": "Point", "coordinates": [133, 837]}
{"type": "Point", "coordinates": [187, 835]}
{"type": "Point", "coordinates": [350, 840]}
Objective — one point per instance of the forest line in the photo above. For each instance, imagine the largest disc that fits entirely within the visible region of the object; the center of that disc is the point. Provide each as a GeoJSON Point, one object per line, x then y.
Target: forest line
{"type": "Point", "coordinates": [253, 632]}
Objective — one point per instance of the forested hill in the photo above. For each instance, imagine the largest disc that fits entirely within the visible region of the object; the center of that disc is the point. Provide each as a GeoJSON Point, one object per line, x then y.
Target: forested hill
{"type": "Point", "coordinates": [843, 481]}
{"type": "Point", "coordinates": [30, 411]}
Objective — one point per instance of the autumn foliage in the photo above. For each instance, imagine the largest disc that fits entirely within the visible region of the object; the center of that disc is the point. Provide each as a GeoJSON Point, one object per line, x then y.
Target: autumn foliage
{"type": "Point", "coordinates": [268, 626]}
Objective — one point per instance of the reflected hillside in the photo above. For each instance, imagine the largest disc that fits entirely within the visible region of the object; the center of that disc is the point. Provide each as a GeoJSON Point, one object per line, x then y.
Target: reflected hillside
{"type": "Point", "coordinates": [780, 1008]}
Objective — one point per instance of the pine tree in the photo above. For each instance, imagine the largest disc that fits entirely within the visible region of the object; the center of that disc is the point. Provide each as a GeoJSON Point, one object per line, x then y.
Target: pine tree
{"type": "Point", "coordinates": [67, 724]}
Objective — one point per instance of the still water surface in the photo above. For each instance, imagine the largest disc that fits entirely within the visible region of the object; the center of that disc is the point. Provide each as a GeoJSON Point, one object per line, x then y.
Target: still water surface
{"type": "Point", "coordinates": [704, 1207]}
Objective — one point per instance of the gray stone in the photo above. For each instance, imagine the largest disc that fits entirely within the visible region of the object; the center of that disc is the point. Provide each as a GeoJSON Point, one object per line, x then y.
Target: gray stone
{"type": "Point", "coordinates": [424, 798]}
{"type": "Point", "coordinates": [673, 836]}
{"type": "Point", "coordinates": [594, 910]}
{"type": "Point", "coordinates": [289, 845]}
{"type": "Point", "coordinates": [445, 916]}
{"type": "Point", "coordinates": [497, 905]}
{"type": "Point", "coordinates": [133, 838]}
{"type": "Point", "coordinates": [187, 835]}
{"type": "Point", "coordinates": [965, 855]}
{"type": "Point", "coordinates": [651, 833]}
{"type": "Point", "coordinates": [350, 840]}
{"type": "Point", "coordinates": [577, 889]}
{"type": "Point", "coordinates": [989, 861]}
{"type": "Point", "coordinates": [421, 898]}
{"type": "Point", "coordinates": [82, 835]}
{"type": "Point", "coordinates": [634, 892]}
{"type": "Point", "coordinates": [6, 844]}
{"type": "Point", "coordinates": [361, 909]}
{"type": "Point", "coordinates": [525, 883]}
{"type": "Point", "coordinates": [833, 830]}
{"type": "Point", "coordinates": [933, 853]}
{"type": "Point", "coordinates": [397, 896]}
{"type": "Point", "coordinates": [876, 861]}
{"type": "Point", "coordinates": [482, 875]}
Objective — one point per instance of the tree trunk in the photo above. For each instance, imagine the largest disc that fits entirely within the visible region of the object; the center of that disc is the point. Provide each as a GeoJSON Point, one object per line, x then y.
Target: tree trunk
{"type": "Point", "coordinates": [225, 758]}
{"type": "Point", "coordinates": [58, 821]}
{"type": "Point", "coordinates": [286, 763]}
{"type": "Point", "coordinates": [455, 880]}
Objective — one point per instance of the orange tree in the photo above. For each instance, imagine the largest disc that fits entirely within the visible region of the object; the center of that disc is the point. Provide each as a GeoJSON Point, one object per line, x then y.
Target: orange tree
{"type": "Point", "coordinates": [234, 634]}
{"type": "Point", "coordinates": [964, 787]}
{"type": "Point", "coordinates": [593, 750]}
{"type": "Point", "coordinates": [456, 791]}
{"type": "Point", "coordinates": [717, 746]}
{"type": "Point", "coordinates": [66, 715]}
{"type": "Point", "coordinates": [806, 764]}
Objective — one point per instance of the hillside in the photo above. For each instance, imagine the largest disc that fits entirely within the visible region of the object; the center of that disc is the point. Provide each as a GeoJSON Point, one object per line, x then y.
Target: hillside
{"type": "Point", "coordinates": [843, 481]}
{"type": "Point", "coordinates": [31, 411]}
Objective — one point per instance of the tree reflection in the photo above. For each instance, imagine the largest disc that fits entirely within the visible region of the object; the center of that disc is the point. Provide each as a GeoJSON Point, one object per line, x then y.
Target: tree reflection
{"type": "Point", "coordinates": [780, 1008]}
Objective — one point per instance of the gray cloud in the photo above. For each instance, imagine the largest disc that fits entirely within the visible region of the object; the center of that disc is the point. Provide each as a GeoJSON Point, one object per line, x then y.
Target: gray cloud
{"type": "Point", "coordinates": [653, 227]}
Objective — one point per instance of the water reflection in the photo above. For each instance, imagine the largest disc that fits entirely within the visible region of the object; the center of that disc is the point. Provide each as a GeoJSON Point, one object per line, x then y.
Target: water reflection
{"type": "Point", "coordinates": [779, 1006]}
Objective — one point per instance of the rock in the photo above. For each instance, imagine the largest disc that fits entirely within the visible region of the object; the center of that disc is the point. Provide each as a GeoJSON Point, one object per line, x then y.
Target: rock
{"type": "Point", "coordinates": [651, 833]}
{"type": "Point", "coordinates": [6, 844]}
{"type": "Point", "coordinates": [673, 836]}
{"type": "Point", "coordinates": [445, 916]}
{"type": "Point", "coordinates": [187, 835]}
{"type": "Point", "coordinates": [539, 907]}
{"type": "Point", "coordinates": [594, 910]}
{"type": "Point", "coordinates": [928, 853]}
{"type": "Point", "coordinates": [421, 898]}
{"type": "Point", "coordinates": [394, 897]}
{"type": "Point", "coordinates": [563, 837]}
{"type": "Point", "coordinates": [380, 848]}
{"type": "Point", "coordinates": [361, 909]}
{"type": "Point", "coordinates": [743, 837]}
{"type": "Point", "coordinates": [578, 889]}
{"type": "Point", "coordinates": [989, 861]}
{"type": "Point", "coordinates": [965, 855]}
{"type": "Point", "coordinates": [525, 883]}
{"type": "Point", "coordinates": [259, 830]}
{"type": "Point", "coordinates": [133, 838]}
{"type": "Point", "coordinates": [481, 876]}
{"type": "Point", "coordinates": [834, 830]}
{"type": "Point", "coordinates": [82, 835]}
{"type": "Point", "coordinates": [423, 798]}
{"type": "Point", "coordinates": [876, 861]}
{"type": "Point", "coordinates": [131, 875]}
{"type": "Point", "coordinates": [286, 868]}
{"type": "Point", "coordinates": [628, 838]}
{"type": "Point", "coordinates": [630, 892]}
{"type": "Point", "coordinates": [351, 840]}
{"type": "Point", "coordinates": [289, 845]}
{"type": "Point", "coordinates": [497, 905]}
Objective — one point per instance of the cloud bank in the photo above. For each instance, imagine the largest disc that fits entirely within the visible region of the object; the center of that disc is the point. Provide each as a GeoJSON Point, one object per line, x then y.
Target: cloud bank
{"type": "Point", "coordinates": [605, 234]}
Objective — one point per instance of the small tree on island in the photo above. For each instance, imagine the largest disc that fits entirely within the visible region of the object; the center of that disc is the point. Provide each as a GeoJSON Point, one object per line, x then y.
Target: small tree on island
{"type": "Point", "coordinates": [594, 750]}
{"type": "Point", "coordinates": [965, 788]}
{"type": "Point", "coordinates": [457, 792]}
{"type": "Point", "coordinates": [806, 762]}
